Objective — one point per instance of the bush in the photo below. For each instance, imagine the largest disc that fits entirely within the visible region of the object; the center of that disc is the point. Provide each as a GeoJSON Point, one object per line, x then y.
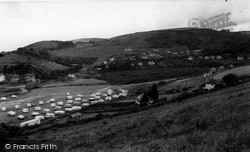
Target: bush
{"type": "Point", "coordinates": [231, 79]}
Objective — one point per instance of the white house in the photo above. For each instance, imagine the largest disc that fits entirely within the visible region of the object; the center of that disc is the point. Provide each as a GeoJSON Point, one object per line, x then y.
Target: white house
{"type": "Point", "coordinates": [140, 64]}
{"type": "Point", "coordinates": [209, 86]}
{"type": "Point", "coordinates": [206, 57]}
{"type": "Point", "coordinates": [72, 76]}
{"type": "Point", "coordinates": [190, 58]}
{"type": "Point", "coordinates": [151, 63]}
{"type": "Point", "coordinates": [218, 57]}
{"type": "Point", "coordinates": [2, 77]}
{"type": "Point", "coordinates": [240, 58]}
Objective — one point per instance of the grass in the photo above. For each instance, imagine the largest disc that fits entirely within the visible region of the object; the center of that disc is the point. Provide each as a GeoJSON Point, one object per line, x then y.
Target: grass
{"type": "Point", "coordinates": [217, 121]}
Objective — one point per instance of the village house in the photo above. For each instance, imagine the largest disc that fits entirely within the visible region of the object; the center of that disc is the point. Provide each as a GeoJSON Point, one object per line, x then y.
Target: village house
{"type": "Point", "coordinates": [187, 52]}
{"type": "Point", "coordinates": [182, 52]}
{"type": "Point", "coordinates": [127, 50]}
{"type": "Point", "coordinates": [111, 59]}
{"type": "Point", "coordinates": [144, 57]}
{"type": "Point", "coordinates": [156, 50]}
{"type": "Point", "coordinates": [218, 57]}
{"type": "Point", "coordinates": [212, 57]}
{"type": "Point", "coordinates": [14, 78]}
{"type": "Point", "coordinates": [168, 52]}
{"type": "Point", "coordinates": [2, 77]}
{"type": "Point", "coordinates": [190, 58]}
{"type": "Point", "coordinates": [175, 53]}
{"type": "Point", "coordinates": [196, 52]}
{"type": "Point", "coordinates": [231, 66]}
{"type": "Point", "coordinates": [155, 55]}
{"type": "Point", "coordinates": [200, 57]}
{"type": "Point", "coordinates": [151, 63]}
{"type": "Point", "coordinates": [206, 57]}
{"type": "Point", "coordinates": [240, 58]}
{"type": "Point", "coordinates": [140, 64]}
{"type": "Point", "coordinates": [72, 76]}
{"type": "Point", "coordinates": [29, 77]}
{"type": "Point", "coordinates": [209, 86]}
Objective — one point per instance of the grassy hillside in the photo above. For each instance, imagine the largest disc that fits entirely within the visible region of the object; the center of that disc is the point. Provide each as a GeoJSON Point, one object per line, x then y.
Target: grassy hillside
{"type": "Point", "coordinates": [210, 40]}
{"type": "Point", "coordinates": [217, 121]}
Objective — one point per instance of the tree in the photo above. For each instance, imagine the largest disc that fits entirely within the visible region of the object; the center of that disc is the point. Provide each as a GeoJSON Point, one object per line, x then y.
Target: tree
{"type": "Point", "coordinates": [231, 79]}
{"type": "Point", "coordinates": [154, 93]}
{"type": "Point", "coordinates": [144, 99]}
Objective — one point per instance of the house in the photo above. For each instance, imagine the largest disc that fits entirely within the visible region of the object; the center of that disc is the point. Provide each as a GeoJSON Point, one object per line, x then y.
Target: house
{"type": "Point", "coordinates": [127, 50]}
{"type": "Point", "coordinates": [76, 114]}
{"type": "Point", "coordinates": [14, 78]}
{"type": "Point", "coordinates": [140, 64]}
{"type": "Point", "coordinates": [72, 76]}
{"type": "Point", "coordinates": [30, 77]}
{"type": "Point", "coordinates": [209, 86]}
{"type": "Point", "coordinates": [187, 52]}
{"type": "Point", "coordinates": [151, 63]}
{"type": "Point", "coordinates": [196, 52]}
{"type": "Point", "coordinates": [240, 58]}
{"type": "Point", "coordinates": [218, 57]}
{"type": "Point", "coordinates": [2, 77]}
{"type": "Point", "coordinates": [169, 52]}
{"type": "Point", "coordinates": [111, 59]}
{"type": "Point", "coordinates": [190, 58]}
{"type": "Point", "coordinates": [31, 122]}
{"type": "Point", "coordinates": [156, 56]}
{"type": "Point", "coordinates": [156, 50]}
{"type": "Point", "coordinates": [212, 57]}
{"type": "Point", "coordinates": [212, 70]}
{"type": "Point", "coordinates": [231, 66]}
{"type": "Point", "coordinates": [175, 53]}
{"type": "Point", "coordinates": [132, 64]}
{"type": "Point", "coordinates": [206, 57]}
{"type": "Point", "coordinates": [182, 52]}
{"type": "Point", "coordinates": [144, 57]}
{"type": "Point", "coordinates": [200, 57]}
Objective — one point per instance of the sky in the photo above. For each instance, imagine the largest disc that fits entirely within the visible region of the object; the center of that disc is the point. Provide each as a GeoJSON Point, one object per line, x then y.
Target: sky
{"type": "Point", "coordinates": [23, 22]}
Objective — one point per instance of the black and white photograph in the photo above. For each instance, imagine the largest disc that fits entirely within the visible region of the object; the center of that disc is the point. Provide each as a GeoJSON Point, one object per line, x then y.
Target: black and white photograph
{"type": "Point", "coordinates": [124, 75]}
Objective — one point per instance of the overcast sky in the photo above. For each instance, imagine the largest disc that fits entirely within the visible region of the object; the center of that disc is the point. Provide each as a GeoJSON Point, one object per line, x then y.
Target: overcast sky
{"type": "Point", "coordinates": [25, 22]}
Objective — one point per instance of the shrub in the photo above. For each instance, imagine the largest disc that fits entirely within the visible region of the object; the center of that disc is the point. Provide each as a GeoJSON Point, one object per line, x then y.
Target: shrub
{"type": "Point", "coordinates": [231, 79]}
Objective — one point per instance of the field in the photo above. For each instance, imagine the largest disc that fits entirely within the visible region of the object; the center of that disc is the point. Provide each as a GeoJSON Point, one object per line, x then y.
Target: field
{"type": "Point", "coordinates": [76, 82]}
{"type": "Point", "coordinates": [217, 121]}
{"type": "Point", "coordinates": [44, 94]}
{"type": "Point", "coordinates": [139, 76]}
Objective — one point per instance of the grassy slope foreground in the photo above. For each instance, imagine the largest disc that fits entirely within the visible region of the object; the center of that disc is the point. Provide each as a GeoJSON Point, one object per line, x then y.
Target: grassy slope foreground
{"type": "Point", "coordinates": [217, 121]}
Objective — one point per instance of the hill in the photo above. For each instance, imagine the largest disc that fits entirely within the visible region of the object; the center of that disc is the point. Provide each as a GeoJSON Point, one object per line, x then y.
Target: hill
{"type": "Point", "coordinates": [209, 40]}
{"type": "Point", "coordinates": [217, 121]}
{"type": "Point", "coordinates": [88, 40]}
{"type": "Point", "coordinates": [85, 52]}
